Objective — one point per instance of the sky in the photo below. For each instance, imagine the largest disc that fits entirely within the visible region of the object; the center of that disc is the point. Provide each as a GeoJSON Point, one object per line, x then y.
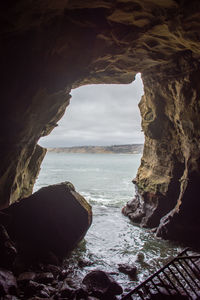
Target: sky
{"type": "Point", "coordinates": [103, 114]}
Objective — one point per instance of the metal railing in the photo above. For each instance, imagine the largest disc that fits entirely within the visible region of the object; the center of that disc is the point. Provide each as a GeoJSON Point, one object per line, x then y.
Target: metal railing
{"type": "Point", "coordinates": [179, 277]}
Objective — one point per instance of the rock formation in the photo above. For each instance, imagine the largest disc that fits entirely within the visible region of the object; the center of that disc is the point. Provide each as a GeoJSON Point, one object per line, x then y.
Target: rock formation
{"type": "Point", "coordinates": [100, 285]}
{"type": "Point", "coordinates": [49, 47]}
{"type": "Point", "coordinates": [53, 219]}
{"type": "Point", "coordinates": [169, 171]}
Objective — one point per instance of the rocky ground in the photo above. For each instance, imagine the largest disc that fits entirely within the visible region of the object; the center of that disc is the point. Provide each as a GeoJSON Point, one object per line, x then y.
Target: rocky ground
{"type": "Point", "coordinates": [25, 277]}
{"type": "Point", "coordinates": [36, 234]}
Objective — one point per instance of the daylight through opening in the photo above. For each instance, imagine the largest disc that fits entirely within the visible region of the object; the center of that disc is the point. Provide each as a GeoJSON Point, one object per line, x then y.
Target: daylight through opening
{"type": "Point", "coordinates": [81, 151]}
{"type": "Point", "coordinates": [100, 115]}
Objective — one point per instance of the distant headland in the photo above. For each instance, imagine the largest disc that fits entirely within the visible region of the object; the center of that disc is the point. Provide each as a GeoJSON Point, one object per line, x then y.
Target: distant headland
{"type": "Point", "coordinates": [114, 149]}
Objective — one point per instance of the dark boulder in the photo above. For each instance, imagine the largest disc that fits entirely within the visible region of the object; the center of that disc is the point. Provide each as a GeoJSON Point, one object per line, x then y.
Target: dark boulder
{"type": "Point", "coordinates": [55, 270]}
{"type": "Point", "coordinates": [45, 277]}
{"type": "Point", "coordinates": [101, 285]}
{"type": "Point", "coordinates": [55, 218]}
{"type": "Point", "coordinates": [26, 277]}
{"type": "Point", "coordinates": [36, 289]}
{"type": "Point", "coordinates": [81, 294]}
{"type": "Point", "coordinates": [130, 270]}
{"type": "Point", "coordinates": [66, 291]}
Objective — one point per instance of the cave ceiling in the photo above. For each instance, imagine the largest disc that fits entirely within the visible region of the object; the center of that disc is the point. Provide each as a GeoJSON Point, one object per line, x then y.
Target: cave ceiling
{"type": "Point", "coordinates": [83, 42]}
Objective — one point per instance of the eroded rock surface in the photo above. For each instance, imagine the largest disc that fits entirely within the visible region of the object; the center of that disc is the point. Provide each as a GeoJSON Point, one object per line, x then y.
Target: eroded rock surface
{"type": "Point", "coordinates": [49, 47]}
{"type": "Point", "coordinates": [167, 180]}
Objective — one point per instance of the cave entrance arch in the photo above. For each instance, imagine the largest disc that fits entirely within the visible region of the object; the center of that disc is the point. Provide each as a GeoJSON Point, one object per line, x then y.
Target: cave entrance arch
{"type": "Point", "coordinates": [98, 115]}
{"type": "Point", "coordinates": [111, 194]}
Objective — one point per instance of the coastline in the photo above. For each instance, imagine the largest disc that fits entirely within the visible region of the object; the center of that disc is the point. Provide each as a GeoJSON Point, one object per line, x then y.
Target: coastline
{"type": "Point", "coordinates": [114, 149]}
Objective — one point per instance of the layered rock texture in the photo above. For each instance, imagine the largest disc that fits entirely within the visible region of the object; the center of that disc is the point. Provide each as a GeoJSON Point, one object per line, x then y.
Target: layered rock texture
{"type": "Point", "coordinates": [49, 47]}
{"type": "Point", "coordinates": [167, 180]}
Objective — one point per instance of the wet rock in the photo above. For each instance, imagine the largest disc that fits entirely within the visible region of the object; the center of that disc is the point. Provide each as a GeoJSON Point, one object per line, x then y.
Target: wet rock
{"type": "Point", "coordinates": [130, 270]}
{"type": "Point", "coordinates": [8, 284]}
{"type": "Point", "coordinates": [84, 263]}
{"type": "Point", "coordinates": [140, 257]}
{"type": "Point", "coordinates": [63, 218]}
{"type": "Point", "coordinates": [44, 277]}
{"type": "Point", "coordinates": [52, 290]}
{"type": "Point", "coordinates": [8, 251]}
{"type": "Point", "coordinates": [43, 294]}
{"type": "Point", "coordinates": [134, 209]}
{"type": "Point", "coordinates": [64, 290]}
{"type": "Point", "coordinates": [64, 273]}
{"type": "Point", "coordinates": [70, 280]}
{"type": "Point", "coordinates": [36, 289]}
{"type": "Point", "coordinates": [26, 276]}
{"type": "Point", "coordinates": [99, 284]}
{"type": "Point", "coordinates": [55, 270]}
{"type": "Point", "coordinates": [81, 294]}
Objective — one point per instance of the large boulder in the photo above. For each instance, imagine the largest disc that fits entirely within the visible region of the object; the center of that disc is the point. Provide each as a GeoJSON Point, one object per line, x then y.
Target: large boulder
{"type": "Point", "coordinates": [54, 219]}
{"type": "Point", "coordinates": [99, 284]}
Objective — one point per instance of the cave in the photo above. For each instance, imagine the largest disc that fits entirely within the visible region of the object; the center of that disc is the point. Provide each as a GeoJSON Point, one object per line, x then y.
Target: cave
{"type": "Point", "coordinates": [51, 47]}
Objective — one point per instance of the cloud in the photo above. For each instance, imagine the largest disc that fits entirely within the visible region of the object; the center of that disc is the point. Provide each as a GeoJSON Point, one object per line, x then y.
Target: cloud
{"type": "Point", "coordinates": [100, 115]}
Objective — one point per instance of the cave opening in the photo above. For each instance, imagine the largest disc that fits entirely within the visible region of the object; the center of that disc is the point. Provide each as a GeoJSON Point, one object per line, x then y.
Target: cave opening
{"type": "Point", "coordinates": [103, 179]}
{"type": "Point", "coordinates": [100, 115]}
{"type": "Point", "coordinates": [102, 120]}
{"type": "Point", "coordinates": [49, 48]}
{"type": "Point", "coordinates": [97, 146]}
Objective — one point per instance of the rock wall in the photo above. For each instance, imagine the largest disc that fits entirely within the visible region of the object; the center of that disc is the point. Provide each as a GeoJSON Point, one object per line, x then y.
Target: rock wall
{"type": "Point", "coordinates": [20, 155]}
{"type": "Point", "coordinates": [167, 179]}
{"type": "Point", "coordinates": [49, 47]}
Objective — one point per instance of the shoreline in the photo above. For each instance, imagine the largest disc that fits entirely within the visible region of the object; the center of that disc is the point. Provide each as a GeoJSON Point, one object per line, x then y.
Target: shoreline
{"type": "Point", "coordinates": [114, 149]}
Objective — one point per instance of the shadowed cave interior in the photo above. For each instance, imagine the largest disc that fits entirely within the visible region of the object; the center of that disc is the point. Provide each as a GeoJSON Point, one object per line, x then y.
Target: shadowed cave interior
{"type": "Point", "coordinates": [49, 48]}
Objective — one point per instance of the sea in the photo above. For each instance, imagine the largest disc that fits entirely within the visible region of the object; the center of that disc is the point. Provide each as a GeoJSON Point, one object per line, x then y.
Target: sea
{"type": "Point", "coordinates": [105, 180]}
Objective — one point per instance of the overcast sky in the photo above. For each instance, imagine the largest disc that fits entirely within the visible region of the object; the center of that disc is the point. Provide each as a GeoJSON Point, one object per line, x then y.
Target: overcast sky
{"type": "Point", "coordinates": [100, 115]}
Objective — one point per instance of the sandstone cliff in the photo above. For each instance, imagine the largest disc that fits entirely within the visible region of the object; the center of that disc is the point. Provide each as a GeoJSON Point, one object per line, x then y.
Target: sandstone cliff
{"type": "Point", "coordinates": [49, 47]}
{"type": "Point", "coordinates": [167, 177]}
